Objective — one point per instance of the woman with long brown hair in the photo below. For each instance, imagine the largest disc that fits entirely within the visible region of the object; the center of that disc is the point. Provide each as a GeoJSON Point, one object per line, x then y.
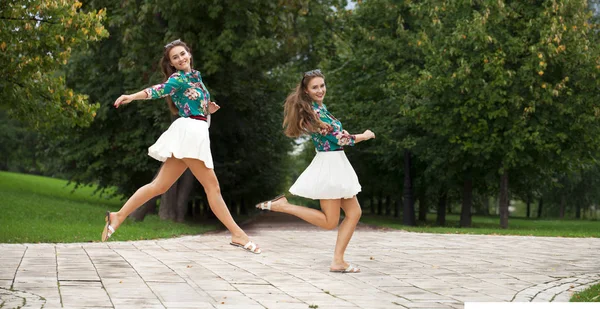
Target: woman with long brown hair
{"type": "Point", "coordinates": [329, 178]}
{"type": "Point", "coordinates": [185, 144]}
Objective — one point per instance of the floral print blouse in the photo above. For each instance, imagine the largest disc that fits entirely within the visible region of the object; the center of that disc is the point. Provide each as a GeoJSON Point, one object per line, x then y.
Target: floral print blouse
{"type": "Point", "coordinates": [330, 137]}
{"type": "Point", "coordinates": [187, 92]}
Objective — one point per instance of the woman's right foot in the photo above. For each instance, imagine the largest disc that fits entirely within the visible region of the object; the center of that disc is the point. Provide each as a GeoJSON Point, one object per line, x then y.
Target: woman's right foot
{"type": "Point", "coordinates": [276, 205]}
{"type": "Point", "coordinates": [112, 223]}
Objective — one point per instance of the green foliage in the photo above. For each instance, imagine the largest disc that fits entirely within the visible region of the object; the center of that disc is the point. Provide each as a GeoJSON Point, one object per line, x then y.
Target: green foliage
{"type": "Point", "coordinates": [37, 40]}
{"type": "Point", "coordinates": [17, 146]}
{"type": "Point", "coordinates": [471, 88]}
{"type": "Point", "coordinates": [41, 209]}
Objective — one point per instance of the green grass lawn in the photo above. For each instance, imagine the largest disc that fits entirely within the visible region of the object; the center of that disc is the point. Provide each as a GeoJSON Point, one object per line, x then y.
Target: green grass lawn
{"type": "Point", "coordinates": [41, 209]}
{"type": "Point", "coordinates": [591, 294]}
{"type": "Point", "coordinates": [491, 226]}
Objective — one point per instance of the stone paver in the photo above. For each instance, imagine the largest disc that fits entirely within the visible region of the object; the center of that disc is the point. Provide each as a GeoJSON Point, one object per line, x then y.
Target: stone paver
{"type": "Point", "coordinates": [399, 270]}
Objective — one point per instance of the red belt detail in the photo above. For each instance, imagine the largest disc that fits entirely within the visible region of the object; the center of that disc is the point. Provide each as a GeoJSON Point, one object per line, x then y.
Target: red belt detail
{"type": "Point", "coordinates": [198, 117]}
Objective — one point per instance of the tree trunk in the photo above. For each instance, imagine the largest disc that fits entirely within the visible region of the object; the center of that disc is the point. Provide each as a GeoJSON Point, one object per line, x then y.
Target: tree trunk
{"type": "Point", "coordinates": [563, 203]}
{"type": "Point", "coordinates": [380, 204]}
{"type": "Point", "coordinates": [503, 203]}
{"type": "Point", "coordinates": [168, 203]}
{"type": "Point", "coordinates": [173, 204]}
{"type": "Point", "coordinates": [388, 205]}
{"type": "Point", "coordinates": [539, 210]}
{"type": "Point", "coordinates": [398, 207]}
{"type": "Point", "coordinates": [441, 213]}
{"type": "Point", "coordinates": [408, 214]}
{"type": "Point", "coordinates": [372, 203]}
{"type": "Point", "coordinates": [423, 207]}
{"type": "Point", "coordinates": [186, 185]}
{"type": "Point", "coordinates": [203, 209]}
{"type": "Point", "coordinates": [467, 203]}
{"type": "Point", "coordinates": [148, 208]}
{"type": "Point", "coordinates": [528, 205]}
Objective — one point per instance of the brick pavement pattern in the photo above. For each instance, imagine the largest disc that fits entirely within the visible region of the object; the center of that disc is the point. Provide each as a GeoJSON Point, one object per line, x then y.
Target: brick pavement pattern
{"type": "Point", "coordinates": [399, 270]}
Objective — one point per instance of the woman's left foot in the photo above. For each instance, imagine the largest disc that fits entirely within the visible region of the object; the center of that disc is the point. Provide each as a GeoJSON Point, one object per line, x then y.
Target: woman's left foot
{"type": "Point", "coordinates": [266, 205]}
{"type": "Point", "coordinates": [108, 228]}
{"type": "Point", "coordinates": [245, 243]}
{"type": "Point", "coordinates": [349, 268]}
{"type": "Point", "coordinates": [249, 246]}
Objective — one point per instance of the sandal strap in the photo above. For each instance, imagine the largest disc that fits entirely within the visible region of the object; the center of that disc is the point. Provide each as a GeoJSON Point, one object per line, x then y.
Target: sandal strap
{"type": "Point", "coordinates": [111, 230]}
{"type": "Point", "coordinates": [352, 269]}
{"type": "Point", "coordinates": [250, 246]}
{"type": "Point", "coordinates": [265, 205]}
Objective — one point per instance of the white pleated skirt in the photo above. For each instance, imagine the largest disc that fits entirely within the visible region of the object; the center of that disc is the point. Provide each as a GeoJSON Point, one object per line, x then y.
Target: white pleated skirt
{"type": "Point", "coordinates": [329, 176]}
{"type": "Point", "coordinates": [185, 138]}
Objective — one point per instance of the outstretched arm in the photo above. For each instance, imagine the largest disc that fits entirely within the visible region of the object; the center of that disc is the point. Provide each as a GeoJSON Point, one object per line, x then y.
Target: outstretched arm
{"type": "Point", "coordinates": [127, 98]}
{"type": "Point", "coordinates": [157, 91]}
{"type": "Point", "coordinates": [344, 138]}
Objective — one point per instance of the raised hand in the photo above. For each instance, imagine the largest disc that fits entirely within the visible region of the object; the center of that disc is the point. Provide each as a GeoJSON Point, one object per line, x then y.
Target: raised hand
{"type": "Point", "coordinates": [213, 107]}
{"type": "Point", "coordinates": [369, 134]}
{"type": "Point", "coordinates": [122, 100]}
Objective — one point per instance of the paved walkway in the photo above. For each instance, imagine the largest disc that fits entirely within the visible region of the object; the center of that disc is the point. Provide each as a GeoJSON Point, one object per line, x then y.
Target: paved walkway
{"type": "Point", "coordinates": [399, 270]}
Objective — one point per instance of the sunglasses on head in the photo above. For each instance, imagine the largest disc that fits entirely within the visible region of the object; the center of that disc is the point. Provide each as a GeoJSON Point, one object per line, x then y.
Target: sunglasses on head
{"type": "Point", "coordinates": [316, 72]}
{"type": "Point", "coordinates": [173, 43]}
{"type": "Point", "coordinates": [312, 73]}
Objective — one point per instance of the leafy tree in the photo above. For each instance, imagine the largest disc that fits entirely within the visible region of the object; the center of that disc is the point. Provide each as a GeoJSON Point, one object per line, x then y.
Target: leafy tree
{"type": "Point", "coordinates": [509, 84]}
{"type": "Point", "coordinates": [36, 42]}
{"type": "Point", "coordinates": [462, 86]}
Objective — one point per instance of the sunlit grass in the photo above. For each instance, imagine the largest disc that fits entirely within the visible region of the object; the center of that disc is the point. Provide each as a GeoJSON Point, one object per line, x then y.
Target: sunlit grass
{"type": "Point", "coordinates": [41, 209]}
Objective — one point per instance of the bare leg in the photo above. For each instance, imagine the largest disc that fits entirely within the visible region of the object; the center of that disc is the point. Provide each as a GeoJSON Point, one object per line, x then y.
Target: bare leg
{"type": "Point", "coordinates": [168, 174]}
{"type": "Point", "coordinates": [353, 212]}
{"type": "Point", "coordinates": [328, 218]}
{"type": "Point", "coordinates": [209, 181]}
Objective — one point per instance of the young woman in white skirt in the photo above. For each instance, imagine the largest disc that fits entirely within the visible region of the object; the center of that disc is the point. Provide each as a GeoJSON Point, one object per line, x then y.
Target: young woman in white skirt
{"type": "Point", "coordinates": [184, 145]}
{"type": "Point", "coordinates": [329, 178]}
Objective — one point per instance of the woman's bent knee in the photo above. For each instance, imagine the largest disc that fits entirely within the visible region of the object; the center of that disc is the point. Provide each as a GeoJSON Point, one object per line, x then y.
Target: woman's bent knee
{"type": "Point", "coordinates": [330, 225]}
{"type": "Point", "coordinates": [354, 214]}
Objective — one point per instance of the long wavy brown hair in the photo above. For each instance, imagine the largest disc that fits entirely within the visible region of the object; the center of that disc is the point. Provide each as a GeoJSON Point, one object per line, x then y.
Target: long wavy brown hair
{"type": "Point", "coordinates": [298, 115]}
{"type": "Point", "coordinates": [167, 69]}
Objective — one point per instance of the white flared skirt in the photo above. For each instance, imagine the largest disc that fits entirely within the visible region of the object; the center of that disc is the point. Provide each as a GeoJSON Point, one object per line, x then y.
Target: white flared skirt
{"type": "Point", "coordinates": [329, 176]}
{"type": "Point", "coordinates": [185, 138]}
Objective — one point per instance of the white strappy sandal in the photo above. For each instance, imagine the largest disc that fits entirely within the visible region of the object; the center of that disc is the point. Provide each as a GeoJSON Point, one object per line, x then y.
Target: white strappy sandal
{"type": "Point", "coordinates": [108, 229]}
{"type": "Point", "coordinates": [350, 269]}
{"type": "Point", "coordinates": [249, 246]}
{"type": "Point", "coordinates": [266, 205]}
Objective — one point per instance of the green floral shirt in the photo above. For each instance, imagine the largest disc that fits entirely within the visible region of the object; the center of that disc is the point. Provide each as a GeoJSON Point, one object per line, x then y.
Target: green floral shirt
{"type": "Point", "coordinates": [332, 136]}
{"type": "Point", "coordinates": [187, 92]}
